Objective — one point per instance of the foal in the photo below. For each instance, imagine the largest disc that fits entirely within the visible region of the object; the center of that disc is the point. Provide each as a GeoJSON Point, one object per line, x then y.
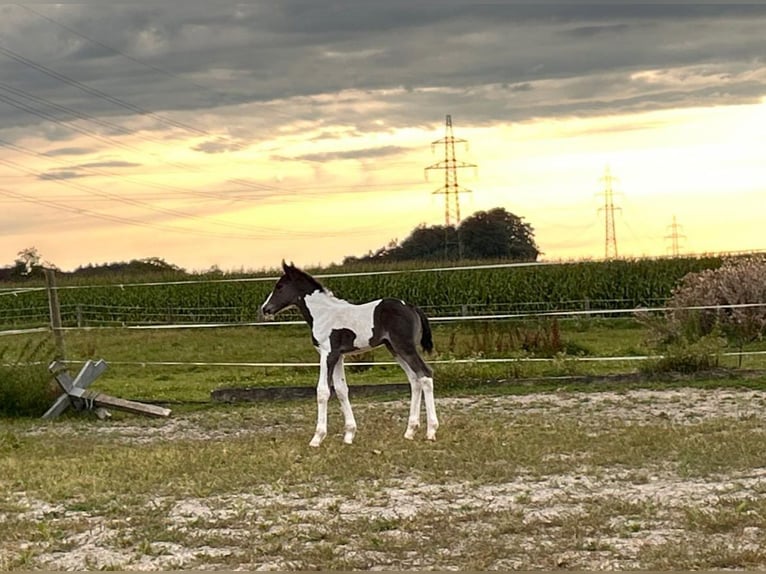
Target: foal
{"type": "Point", "coordinates": [339, 328]}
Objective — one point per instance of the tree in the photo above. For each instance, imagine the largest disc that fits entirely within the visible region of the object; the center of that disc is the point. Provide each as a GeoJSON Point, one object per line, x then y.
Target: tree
{"type": "Point", "coordinates": [426, 243]}
{"type": "Point", "coordinates": [27, 259]}
{"type": "Point", "coordinates": [493, 234]}
{"type": "Point", "coordinates": [497, 234]}
{"type": "Point", "coordinates": [28, 264]}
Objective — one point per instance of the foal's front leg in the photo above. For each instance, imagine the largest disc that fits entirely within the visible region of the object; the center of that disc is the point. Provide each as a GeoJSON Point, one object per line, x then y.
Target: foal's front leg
{"type": "Point", "coordinates": [323, 395]}
{"type": "Point", "coordinates": [341, 389]}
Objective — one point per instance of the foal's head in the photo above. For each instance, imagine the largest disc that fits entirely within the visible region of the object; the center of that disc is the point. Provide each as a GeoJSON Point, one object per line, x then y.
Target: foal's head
{"type": "Point", "coordinates": [291, 288]}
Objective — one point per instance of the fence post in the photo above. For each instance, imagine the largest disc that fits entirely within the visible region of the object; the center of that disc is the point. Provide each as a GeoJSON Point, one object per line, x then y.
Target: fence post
{"type": "Point", "coordinates": [55, 312]}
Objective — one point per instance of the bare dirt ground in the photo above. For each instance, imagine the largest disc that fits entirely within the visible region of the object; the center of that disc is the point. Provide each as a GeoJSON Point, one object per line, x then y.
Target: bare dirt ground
{"type": "Point", "coordinates": [604, 518]}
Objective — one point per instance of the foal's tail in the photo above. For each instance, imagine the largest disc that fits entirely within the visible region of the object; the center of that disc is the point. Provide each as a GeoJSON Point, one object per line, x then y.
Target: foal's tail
{"type": "Point", "coordinates": [426, 341]}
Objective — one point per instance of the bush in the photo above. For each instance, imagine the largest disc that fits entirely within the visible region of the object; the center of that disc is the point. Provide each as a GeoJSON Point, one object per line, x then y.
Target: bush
{"type": "Point", "coordinates": [737, 281]}
{"type": "Point", "coordinates": [26, 386]}
{"type": "Point", "coordinates": [691, 337]}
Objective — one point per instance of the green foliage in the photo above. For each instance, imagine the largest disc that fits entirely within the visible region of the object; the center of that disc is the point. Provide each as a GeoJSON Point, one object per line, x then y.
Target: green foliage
{"type": "Point", "coordinates": [687, 356]}
{"type": "Point", "coordinates": [237, 297]}
{"type": "Point", "coordinates": [498, 233]}
{"type": "Point", "coordinates": [493, 234]}
{"type": "Point", "coordinates": [498, 339]}
{"type": "Point", "coordinates": [26, 385]}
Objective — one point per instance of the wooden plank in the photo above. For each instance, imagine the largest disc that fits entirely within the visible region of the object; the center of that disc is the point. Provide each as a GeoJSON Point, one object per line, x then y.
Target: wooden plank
{"type": "Point", "coordinates": [130, 406]}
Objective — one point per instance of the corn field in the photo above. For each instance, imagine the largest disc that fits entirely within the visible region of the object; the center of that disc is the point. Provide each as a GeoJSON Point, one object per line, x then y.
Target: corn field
{"type": "Point", "coordinates": [614, 284]}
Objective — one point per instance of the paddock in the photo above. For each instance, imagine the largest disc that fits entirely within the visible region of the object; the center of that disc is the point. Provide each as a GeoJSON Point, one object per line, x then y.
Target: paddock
{"type": "Point", "coordinates": [633, 479]}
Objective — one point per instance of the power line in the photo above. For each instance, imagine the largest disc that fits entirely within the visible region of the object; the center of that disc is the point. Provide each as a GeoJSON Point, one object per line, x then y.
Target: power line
{"type": "Point", "coordinates": [71, 111]}
{"type": "Point", "coordinates": [123, 220]}
{"type": "Point", "coordinates": [229, 98]}
{"type": "Point", "coordinates": [105, 96]}
{"type": "Point", "coordinates": [99, 93]}
{"type": "Point", "coordinates": [21, 59]}
{"type": "Point", "coordinates": [112, 48]}
{"type": "Point", "coordinates": [226, 97]}
{"type": "Point", "coordinates": [24, 106]}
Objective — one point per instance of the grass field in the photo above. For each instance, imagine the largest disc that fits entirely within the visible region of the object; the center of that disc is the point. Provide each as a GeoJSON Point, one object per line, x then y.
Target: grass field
{"type": "Point", "coordinates": [133, 374]}
{"type": "Point", "coordinates": [639, 479]}
{"type": "Point", "coordinates": [652, 474]}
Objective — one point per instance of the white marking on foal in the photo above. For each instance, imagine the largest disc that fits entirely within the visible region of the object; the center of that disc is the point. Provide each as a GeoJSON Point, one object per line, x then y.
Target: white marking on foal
{"type": "Point", "coordinates": [413, 422]}
{"type": "Point", "coordinates": [330, 313]}
{"type": "Point", "coordinates": [323, 395]}
{"type": "Point", "coordinates": [432, 423]}
{"type": "Point", "coordinates": [266, 302]}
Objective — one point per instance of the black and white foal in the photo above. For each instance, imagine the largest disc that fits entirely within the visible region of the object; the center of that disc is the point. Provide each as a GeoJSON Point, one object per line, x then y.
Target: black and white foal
{"type": "Point", "coordinates": [339, 328]}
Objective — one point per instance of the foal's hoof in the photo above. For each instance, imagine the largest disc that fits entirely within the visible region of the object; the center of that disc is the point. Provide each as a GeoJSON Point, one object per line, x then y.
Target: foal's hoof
{"type": "Point", "coordinates": [431, 435]}
{"type": "Point", "coordinates": [316, 441]}
{"type": "Point", "coordinates": [348, 438]}
{"type": "Point", "coordinates": [409, 434]}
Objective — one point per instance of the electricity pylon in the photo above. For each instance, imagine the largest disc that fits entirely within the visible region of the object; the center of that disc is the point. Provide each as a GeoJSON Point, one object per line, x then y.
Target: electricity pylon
{"type": "Point", "coordinates": [674, 236]}
{"type": "Point", "coordinates": [610, 237]}
{"type": "Point", "coordinates": [451, 190]}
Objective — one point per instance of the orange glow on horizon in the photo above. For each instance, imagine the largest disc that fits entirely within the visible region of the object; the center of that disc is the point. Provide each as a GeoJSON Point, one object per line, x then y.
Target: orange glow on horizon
{"type": "Point", "coordinates": [704, 165]}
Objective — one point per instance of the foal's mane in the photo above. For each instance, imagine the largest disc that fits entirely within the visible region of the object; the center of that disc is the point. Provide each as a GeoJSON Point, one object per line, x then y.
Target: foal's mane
{"type": "Point", "coordinates": [299, 273]}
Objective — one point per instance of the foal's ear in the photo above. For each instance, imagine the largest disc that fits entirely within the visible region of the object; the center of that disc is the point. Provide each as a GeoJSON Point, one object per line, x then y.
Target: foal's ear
{"type": "Point", "coordinates": [288, 269]}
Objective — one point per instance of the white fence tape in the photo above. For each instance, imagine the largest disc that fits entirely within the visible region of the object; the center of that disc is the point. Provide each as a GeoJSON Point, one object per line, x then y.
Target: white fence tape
{"type": "Point", "coordinates": [476, 361]}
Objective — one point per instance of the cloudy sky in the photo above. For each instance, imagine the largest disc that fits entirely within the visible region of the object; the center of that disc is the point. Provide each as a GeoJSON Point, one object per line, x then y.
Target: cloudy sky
{"type": "Point", "coordinates": [240, 134]}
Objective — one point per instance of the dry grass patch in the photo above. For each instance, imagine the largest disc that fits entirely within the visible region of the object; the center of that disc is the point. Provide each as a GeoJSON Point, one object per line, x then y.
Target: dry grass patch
{"type": "Point", "coordinates": [580, 481]}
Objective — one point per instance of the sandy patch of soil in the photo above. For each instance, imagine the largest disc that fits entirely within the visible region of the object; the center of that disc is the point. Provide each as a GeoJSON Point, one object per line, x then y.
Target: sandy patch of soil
{"type": "Point", "coordinates": [527, 515]}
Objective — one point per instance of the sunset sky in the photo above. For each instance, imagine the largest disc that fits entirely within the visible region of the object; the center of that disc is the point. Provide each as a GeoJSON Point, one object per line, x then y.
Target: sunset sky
{"type": "Point", "coordinates": [211, 133]}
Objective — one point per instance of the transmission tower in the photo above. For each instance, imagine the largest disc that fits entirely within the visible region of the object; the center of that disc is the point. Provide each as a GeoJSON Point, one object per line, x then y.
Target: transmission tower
{"type": "Point", "coordinates": [610, 238]}
{"type": "Point", "coordinates": [451, 190]}
{"type": "Point", "coordinates": [674, 236]}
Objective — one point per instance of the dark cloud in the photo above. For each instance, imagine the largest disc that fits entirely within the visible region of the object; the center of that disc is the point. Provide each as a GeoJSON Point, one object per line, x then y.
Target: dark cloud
{"type": "Point", "coordinates": [84, 169]}
{"type": "Point", "coordinates": [113, 163]}
{"type": "Point", "coordinates": [69, 151]}
{"type": "Point", "coordinates": [61, 174]}
{"type": "Point", "coordinates": [590, 31]}
{"type": "Point", "coordinates": [219, 145]}
{"type": "Point", "coordinates": [197, 64]}
{"type": "Point", "coordinates": [366, 153]}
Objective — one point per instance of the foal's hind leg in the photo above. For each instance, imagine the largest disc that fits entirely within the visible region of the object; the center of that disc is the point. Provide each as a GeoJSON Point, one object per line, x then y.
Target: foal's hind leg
{"type": "Point", "coordinates": [421, 382]}
{"type": "Point", "coordinates": [341, 389]}
{"type": "Point", "coordinates": [428, 395]}
{"type": "Point", "coordinates": [413, 423]}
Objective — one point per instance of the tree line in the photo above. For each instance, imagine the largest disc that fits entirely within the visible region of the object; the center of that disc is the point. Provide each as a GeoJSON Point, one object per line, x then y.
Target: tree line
{"type": "Point", "coordinates": [494, 234]}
